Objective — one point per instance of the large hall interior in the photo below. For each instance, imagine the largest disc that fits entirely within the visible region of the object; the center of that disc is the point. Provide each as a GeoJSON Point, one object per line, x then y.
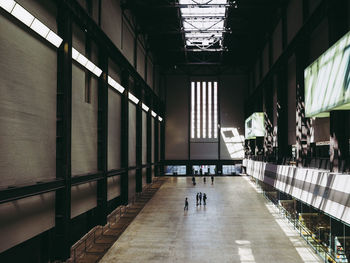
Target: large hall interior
{"type": "Point", "coordinates": [174, 131]}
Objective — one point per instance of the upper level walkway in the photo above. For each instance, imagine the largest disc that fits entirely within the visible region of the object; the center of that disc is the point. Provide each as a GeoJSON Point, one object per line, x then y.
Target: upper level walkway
{"type": "Point", "coordinates": [236, 225]}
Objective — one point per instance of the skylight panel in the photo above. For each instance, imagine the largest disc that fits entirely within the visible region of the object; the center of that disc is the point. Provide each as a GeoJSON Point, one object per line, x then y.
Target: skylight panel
{"type": "Point", "coordinates": [203, 22]}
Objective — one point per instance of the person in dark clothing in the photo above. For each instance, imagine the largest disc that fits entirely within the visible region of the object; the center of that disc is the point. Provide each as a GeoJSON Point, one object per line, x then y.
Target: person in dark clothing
{"type": "Point", "coordinates": [212, 179]}
{"type": "Point", "coordinates": [193, 180]}
{"type": "Point", "coordinates": [200, 198]}
{"type": "Point", "coordinates": [204, 198]}
{"type": "Point", "coordinates": [186, 204]}
{"type": "Point", "coordinates": [204, 179]}
{"type": "Point", "coordinates": [197, 198]}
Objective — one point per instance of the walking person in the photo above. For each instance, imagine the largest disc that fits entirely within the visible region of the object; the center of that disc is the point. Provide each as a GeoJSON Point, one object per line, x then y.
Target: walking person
{"type": "Point", "coordinates": [204, 198]}
{"type": "Point", "coordinates": [212, 179]}
{"type": "Point", "coordinates": [186, 204]}
{"type": "Point", "coordinates": [197, 198]}
{"type": "Point", "coordinates": [200, 198]}
{"type": "Point", "coordinates": [204, 179]}
{"type": "Point", "coordinates": [193, 180]}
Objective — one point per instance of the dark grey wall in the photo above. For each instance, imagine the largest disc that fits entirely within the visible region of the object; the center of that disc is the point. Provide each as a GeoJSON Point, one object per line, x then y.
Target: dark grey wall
{"type": "Point", "coordinates": [176, 127]}
{"type": "Point", "coordinates": [231, 105]}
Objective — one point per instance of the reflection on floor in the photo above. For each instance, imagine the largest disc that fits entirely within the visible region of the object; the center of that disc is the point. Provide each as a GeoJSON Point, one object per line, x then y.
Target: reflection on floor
{"type": "Point", "coordinates": [236, 225]}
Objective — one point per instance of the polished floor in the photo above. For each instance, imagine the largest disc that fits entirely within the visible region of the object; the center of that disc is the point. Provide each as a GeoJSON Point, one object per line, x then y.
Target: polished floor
{"type": "Point", "coordinates": [236, 225]}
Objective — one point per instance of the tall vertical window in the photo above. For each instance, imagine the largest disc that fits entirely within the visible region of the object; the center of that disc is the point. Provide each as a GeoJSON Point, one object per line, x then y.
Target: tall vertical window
{"type": "Point", "coordinates": [204, 110]}
{"type": "Point", "coordinates": [209, 111]}
{"type": "Point", "coordinates": [215, 124]}
{"type": "Point", "coordinates": [192, 109]}
{"type": "Point", "coordinates": [198, 109]}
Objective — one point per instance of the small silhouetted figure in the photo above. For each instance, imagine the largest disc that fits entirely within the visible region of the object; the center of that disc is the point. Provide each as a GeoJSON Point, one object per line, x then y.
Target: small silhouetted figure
{"type": "Point", "coordinates": [193, 180]}
{"type": "Point", "coordinates": [204, 198]}
{"type": "Point", "coordinates": [200, 171]}
{"type": "Point", "coordinates": [186, 204]}
{"type": "Point", "coordinates": [200, 198]}
{"type": "Point", "coordinates": [197, 198]}
{"type": "Point", "coordinates": [204, 179]}
{"type": "Point", "coordinates": [212, 179]}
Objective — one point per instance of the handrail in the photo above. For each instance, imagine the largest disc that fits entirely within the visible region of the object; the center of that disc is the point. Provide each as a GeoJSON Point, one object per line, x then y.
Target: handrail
{"type": "Point", "coordinates": [303, 231]}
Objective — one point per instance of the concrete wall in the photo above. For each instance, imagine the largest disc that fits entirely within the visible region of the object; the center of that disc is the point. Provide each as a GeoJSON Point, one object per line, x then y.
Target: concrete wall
{"type": "Point", "coordinates": [114, 129]}
{"type": "Point", "coordinates": [28, 106]}
{"type": "Point", "coordinates": [132, 134]}
{"type": "Point", "coordinates": [177, 111]}
{"type": "Point", "coordinates": [231, 90]}
{"type": "Point", "coordinates": [113, 187]}
{"type": "Point", "coordinates": [84, 198]}
{"type": "Point", "coordinates": [144, 137]}
{"type": "Point", "coordinates": [25, 218]}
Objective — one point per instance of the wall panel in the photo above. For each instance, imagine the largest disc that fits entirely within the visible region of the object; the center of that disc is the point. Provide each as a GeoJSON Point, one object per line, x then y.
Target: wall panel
{"type": "Point", "coordinates": [113, 190]}
{"type": "Point", "coordinates": [132, 134]}
{"type": "Point", "coordinates": [265, 59]}
{"type": "Point", "coordinates": [132, 184]}
{"type": "Point", "coordinates": [140, 66]}
{"type": "Point", "coordinates": [277, 42]}
{"type": "Point", "coordinates": [84, 198]}
{"type": "Point", "coordinates": [176, 142]}
{"type": "Point", "coordinates": [204, 151]}
{"type": "Point", "coordinates": [294, 18]}
{"type": "Point", "coordinates": [144, 137]}
{"type": "Point", "coordinates": [291, 101]}
{"type": "Point", "coordinates": [111, 20]}
{"type": "Point", "coordinates": [153, 139]}
{"type": "Point", "coordinates": [128, 43]}
{"type": "Point", "coordinates": [150, 73]}
{"type": "Point", "coordinates": [84, 124]}
{"type": "Point", "coordinates": [114, 130]}
{"type": "Point", "coordinates": [28, 90]}
{"type": "Point", "coordinates": [144, 177]}
{"type": "Point", "coordinates": [25, 218]}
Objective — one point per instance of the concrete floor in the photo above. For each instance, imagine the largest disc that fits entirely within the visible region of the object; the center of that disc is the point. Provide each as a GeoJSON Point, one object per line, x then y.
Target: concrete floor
{"type": "Point", "coordinates": [236, 225]}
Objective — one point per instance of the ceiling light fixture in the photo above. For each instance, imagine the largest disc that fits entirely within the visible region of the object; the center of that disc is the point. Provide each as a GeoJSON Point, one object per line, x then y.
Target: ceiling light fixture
{"type": "Point", "coordinates": [115, 84]}
{"type": "Point", "coordinates": [29, 20]}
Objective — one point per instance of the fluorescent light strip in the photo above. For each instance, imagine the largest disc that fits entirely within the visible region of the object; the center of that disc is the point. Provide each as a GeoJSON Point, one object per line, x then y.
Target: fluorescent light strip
{"type": "Point", "coordinates": [144, 107]}
{"type": "Point", "coordinates": [160, 118]}
{"type": "Point", "coordinates": [29, 20]}
{"type": "Point", "coordinates": [153, 113]}
{"type": "Point", "coordinates": [81, 59]}
{"type": "Point", "coordinates": [198, 109]}
{"type": "Point", "coordinates": [23, 15]}
{"type": "Point", "coordinates": [204, 115]}
{"type": "Point", "coordinates": [8, 5]}
{"type": "Point", "coordinates": [133, 98]}
{"type": "Point", "coordinates": [209, 110]}
{"type": "Point", "coordinates": [115, 84]}
{"type": "Point", "coordinates": [215, 109]}
{"type": "Point", "coordinates": [192, 108]}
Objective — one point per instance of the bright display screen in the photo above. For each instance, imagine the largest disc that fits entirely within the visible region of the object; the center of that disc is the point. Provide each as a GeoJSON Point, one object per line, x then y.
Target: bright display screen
{"type": "Point", "coordinates": [255, 126]}
{"type": "Point", "coordinates": [327, 81]}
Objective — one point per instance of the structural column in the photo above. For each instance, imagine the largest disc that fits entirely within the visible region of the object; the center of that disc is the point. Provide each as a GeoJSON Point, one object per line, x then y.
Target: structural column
{"type": "Point", "coordinates": [339, 120]}
{"type": "Point", "coordinates": [149, 145]}
{"type": "Point", "coordinates": [102, 139]}
{"type": "Point", "coordinates": [125, 138]}
{"type": "Point", "coordinates": [139, 141]}
{"type": "Point", "coordinates": [63, 137]}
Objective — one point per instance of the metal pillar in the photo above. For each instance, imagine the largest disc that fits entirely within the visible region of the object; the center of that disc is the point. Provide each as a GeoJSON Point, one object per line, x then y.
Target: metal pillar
{"type": "Point", "coordinates": [63, 138]}
{"type": "Point", "coordinates": [138, 142]}
{"type": "Point", "coordinates": [102, 147]}
{"type": "Point", "coordinates": [125, 138]}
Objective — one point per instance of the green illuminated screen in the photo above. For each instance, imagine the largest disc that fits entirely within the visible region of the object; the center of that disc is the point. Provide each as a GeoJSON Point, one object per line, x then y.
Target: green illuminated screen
{"type": "Point", "coordinates": [254, 126]}
{"type": "Point", "coordinates": [327, 81]}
